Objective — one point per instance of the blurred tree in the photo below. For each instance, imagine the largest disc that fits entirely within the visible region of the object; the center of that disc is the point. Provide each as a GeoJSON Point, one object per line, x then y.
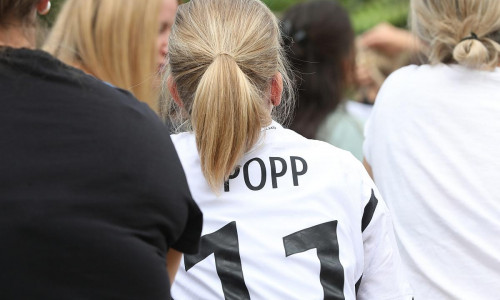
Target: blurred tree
{"type": "Point", "coordinates": [364, 13]}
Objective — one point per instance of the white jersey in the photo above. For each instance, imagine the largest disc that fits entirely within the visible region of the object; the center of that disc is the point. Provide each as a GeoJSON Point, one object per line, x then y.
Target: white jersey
{"type": "Point", "coordinates": [299, 219]}
{"type": "Point", "coordinates": [433, 142]}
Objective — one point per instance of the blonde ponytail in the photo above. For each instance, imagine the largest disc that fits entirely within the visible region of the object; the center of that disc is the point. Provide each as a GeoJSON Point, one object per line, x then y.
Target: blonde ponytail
{"type": "Point", "coordinates": [459, 31]}
{"type": "Point", "coordinates": [226, 116]}
{"type": "Point", "coordinates": [222, 58]}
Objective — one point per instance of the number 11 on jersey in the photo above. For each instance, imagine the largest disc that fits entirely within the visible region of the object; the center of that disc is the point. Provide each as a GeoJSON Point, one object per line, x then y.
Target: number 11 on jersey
{"type": "Point", "coordinates": [224, 244]}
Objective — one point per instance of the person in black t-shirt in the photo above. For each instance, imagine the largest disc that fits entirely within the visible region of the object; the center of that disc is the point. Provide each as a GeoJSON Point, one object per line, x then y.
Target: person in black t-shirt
{"type": "Point", "coordinates": [92, 193]}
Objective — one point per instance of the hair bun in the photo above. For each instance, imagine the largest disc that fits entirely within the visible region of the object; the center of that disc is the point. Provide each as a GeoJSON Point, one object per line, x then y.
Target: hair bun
{"type": "Point", "coordinates": [472, 52]}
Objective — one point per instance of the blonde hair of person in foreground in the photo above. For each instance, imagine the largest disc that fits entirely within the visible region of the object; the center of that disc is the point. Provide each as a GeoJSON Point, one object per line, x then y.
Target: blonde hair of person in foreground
{"type": "Point", "coordinates": [225, 81]}
{"type": "Point", "coordinates": [113, 40]}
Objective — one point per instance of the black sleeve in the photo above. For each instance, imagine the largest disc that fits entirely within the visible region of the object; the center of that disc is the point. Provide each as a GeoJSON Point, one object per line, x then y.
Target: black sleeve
{"type": "Point", "coordinates": [189, 240]}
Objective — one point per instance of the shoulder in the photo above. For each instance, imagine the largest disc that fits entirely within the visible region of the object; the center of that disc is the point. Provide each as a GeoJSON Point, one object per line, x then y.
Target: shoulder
{"type": "Point", "coordinates": [38, 78]}
{"type": "Point", "coordinates": [319, 152]}
{"type": "Point", "coordinates": [414, 75]}
{"type": "Point", "coordinates": [415, 69]}
{"type": "Point", "coordinates": [403, 74]}
{"type": "Point", "coordinates": [330, 168]}
{"type": "Point", "coordinates": [404, 84]}
{"type": "Point", "coordinates": [275, 142]}
{"type": "Point", "coordinates": [185, 146]}
{"type": "Point", "coordinates": [185, 143]}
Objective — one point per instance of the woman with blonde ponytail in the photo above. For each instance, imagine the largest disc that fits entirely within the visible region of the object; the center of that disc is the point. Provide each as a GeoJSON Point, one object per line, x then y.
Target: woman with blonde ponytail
{"type": "Point", "coordinates": [432, 144]}
{"type": "Point", "coordinates": [267, 194]}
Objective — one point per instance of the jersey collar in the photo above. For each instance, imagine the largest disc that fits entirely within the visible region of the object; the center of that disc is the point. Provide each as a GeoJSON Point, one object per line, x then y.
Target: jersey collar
{"type": "Point", "coordinates": [273, 126]}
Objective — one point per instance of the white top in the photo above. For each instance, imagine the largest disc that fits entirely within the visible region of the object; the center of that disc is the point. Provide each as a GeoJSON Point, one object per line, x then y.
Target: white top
{"type": "Point", "coordinates": [295, 206]}
{"type": "Point", "coordinates": [433, 142]}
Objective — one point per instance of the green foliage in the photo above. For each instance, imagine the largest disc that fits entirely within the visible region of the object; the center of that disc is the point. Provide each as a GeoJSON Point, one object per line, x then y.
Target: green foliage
{"type": "Point", "coordinates": [280, 5]}
{"type": "Point", "coordinates": [54, 10]}
{"type": "Point", "coordinates": [370, 13]}
{"type": "Point", "coordinates": [364, 13]}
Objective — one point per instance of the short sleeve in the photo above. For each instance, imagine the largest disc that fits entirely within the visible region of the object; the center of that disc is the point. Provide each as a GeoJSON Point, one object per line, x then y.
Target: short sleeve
{"type": "Point", "coordinates": [189, 240]}
{"type": "Point", "coordinates": [383, 276]}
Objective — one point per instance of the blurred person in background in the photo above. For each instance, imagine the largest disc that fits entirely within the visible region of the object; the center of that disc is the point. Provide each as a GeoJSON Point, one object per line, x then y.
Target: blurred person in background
{"type": "Point", "coordinates": [379, 52]}
{"type": "Point", "coordinates": [92, 193]}
{"type": "Point", "coordinates": [432, 144]}
{"type": "Point", "coordinates": [321, 50]}
{"type": "Point", "coordinates": [122, 42]}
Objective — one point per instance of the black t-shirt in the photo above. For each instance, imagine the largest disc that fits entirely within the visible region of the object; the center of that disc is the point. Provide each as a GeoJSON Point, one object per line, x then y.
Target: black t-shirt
{"type": "Point", "coordinates": [92, 193]}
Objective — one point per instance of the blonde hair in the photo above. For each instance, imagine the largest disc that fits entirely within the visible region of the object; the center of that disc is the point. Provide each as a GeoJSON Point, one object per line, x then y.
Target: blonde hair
{"type": "Point", "coordinates": [222, 57]}
{"type": "Point", "coordinates": [461, 31]}
{"type": "Point", "coordinates": [113, 40]}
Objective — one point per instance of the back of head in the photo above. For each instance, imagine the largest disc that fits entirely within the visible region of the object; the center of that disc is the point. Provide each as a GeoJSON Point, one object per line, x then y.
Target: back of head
{"type": "Point", "coordinates": [15, 11]}
{"type": "Point", "coordinates": [18, 23]}
{"type": "Point", "coordinates": [321, 50]}
{"type": "Point", "coordinates": [113, 40]}
{"type": "Point", "coordinates": [223, 56]}
{"type": "Point", "coordinates": [459, 31]}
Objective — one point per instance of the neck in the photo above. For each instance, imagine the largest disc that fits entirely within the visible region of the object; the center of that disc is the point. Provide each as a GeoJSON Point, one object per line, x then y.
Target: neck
{"type": "Point", "coordinates": [17, 37]}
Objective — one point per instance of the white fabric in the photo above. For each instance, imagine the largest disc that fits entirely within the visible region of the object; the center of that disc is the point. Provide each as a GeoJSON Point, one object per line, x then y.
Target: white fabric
{"type": "Point", "coordinates": [433, 141]}
{"type": "Point", "coordinates": [360, 110]}
{"type": "Point", "coordinates": [335, 187]}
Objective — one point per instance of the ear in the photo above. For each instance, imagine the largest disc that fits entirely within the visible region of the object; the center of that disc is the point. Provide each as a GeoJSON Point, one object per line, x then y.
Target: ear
{"type": "Point", "coordinates": [172, 88]}
{"type": "Point", "coordinates": [43, 7]}
{"type": "Point", "coordinates": [276, 89]}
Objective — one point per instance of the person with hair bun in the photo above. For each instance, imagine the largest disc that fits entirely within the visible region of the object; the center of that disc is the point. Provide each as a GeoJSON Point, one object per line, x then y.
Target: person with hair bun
{"type": "Point", "coordinates": [285, 217]}
{"type": "Point", "coordinates": [432, 145]}
{"type": "Point", "coordinates": [92, 194]}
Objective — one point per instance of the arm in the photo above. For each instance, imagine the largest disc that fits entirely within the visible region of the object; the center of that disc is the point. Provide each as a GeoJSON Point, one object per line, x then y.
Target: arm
{"type": "Point", "coordinates": [173, 262]}
{"type": "Point", "coordinates": [391, 40]}
{"type": "Point", "coordinates": [368, 167]}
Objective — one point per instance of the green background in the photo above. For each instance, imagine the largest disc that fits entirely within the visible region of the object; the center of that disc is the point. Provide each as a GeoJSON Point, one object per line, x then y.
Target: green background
{"type": "Point", "coordinates": [364, 13]}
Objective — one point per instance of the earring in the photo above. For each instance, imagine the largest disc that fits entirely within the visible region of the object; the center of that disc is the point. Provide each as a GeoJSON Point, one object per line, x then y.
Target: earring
{"type": "Point", "coordinates": [46, 10]}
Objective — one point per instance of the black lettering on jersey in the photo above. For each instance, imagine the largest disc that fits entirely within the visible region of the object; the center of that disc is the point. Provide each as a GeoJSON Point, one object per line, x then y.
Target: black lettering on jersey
{"type": "Point", "coordinates": [296, 174]}
{"type": "Point", "coordinates": [232, 176]}
{"type": "Point", "coordinates": [369, 211]}
{"type": "Point", "coordinates": [323, 237]}
{"type": "Point", "coordinates": [262, 174]}
{"type": "Point", "coordinates": [274, 174]}
{"type": "Point", "coordinates": [224, 244]}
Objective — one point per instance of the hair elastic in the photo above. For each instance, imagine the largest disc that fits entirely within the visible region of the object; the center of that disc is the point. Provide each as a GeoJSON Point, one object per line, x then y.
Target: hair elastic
{"type": "Point", "coordinates": [472, 36]}
{"type": "Point", "coordinates": [224, 53]}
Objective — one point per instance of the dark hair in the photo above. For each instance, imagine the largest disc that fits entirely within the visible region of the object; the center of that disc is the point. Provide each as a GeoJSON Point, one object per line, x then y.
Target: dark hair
{"type": "Point", "coordinates": [320, 42]}
{"type": "Point", "coordinates": [18, 10]}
